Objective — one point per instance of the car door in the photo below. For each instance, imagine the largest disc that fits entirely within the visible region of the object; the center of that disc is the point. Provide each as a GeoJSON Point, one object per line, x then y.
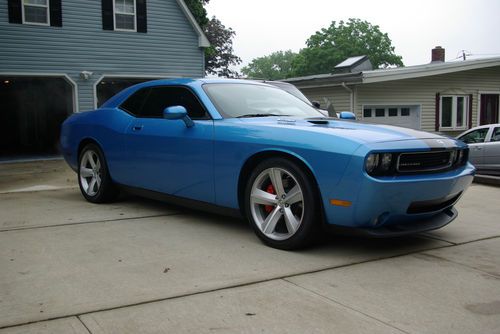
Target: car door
{"type": "Point", "coordinates": [492, 150]}
{"type": "Point", "coordinates": [167, 156]}
{"type": "Point", "coordinates": [475, 139]}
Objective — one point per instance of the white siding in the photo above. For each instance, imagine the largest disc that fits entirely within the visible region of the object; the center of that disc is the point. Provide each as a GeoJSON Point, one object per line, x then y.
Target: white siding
{"type": "Point", "coordinates": [422, 91]}
{"type": "Point", "coordinates": [338, 96]}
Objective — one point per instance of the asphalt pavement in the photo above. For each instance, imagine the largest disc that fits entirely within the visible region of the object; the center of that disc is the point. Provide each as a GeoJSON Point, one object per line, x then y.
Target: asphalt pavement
{"type": "Point", "coordinates": [140, 266]}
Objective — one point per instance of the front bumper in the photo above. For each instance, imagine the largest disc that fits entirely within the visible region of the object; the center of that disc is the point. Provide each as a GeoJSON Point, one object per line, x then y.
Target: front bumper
{"type": "Point", "coordinates": [398, 205]}
{"type": "Point", "coordinates": [434, 222]}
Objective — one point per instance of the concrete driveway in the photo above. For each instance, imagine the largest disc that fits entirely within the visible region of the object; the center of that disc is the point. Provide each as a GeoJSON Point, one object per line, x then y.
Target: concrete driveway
{"type": "Point", "coordinates": [139, 266]}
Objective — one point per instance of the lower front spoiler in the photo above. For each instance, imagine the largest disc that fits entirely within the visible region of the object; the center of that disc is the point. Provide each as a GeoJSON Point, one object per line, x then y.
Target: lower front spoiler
{"type": "Point", "coordinates": [437, 221]}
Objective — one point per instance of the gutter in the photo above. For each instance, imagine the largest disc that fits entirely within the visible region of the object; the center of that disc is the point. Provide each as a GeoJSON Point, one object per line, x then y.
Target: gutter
{"type": "Point", "coordinates": [351, 100]}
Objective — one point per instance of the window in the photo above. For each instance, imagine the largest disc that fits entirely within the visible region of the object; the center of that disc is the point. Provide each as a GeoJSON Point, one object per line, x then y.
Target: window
{"type": "Point", "coordinates": [367, 112]}
{"type": "Point", "coordinates": [393, 112]}
{"type": "Point", "coordinates": [453, 112]}
{"type": "Point", "coordinates": [476, 136]}
{"type": "Point", "coordinates": [379, 112]}
{"type": "Point", "coordinates": [125, 15]}
{"type": "Point", "coordinates": [495, 136]}
{"type": "Point", "coordinates": [151, 102]}
{"type": "Point", "coordinates": [36, 12]}
{"type": "Point", "coordinates": [405, 111]}
{"type": "Point", "coordinates": [134, 103]}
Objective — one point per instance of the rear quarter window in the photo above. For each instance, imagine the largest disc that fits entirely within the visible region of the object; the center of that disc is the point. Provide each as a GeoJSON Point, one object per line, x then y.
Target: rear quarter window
{"type": "Point", "coordinates": [134, 103]}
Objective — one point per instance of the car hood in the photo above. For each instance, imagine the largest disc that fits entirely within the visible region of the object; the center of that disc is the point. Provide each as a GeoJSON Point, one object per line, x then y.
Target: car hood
{"type": "Point", "coordinates": [354, 130]}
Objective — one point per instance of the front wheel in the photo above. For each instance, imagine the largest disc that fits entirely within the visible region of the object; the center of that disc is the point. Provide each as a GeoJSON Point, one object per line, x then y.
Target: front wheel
{"type": "Point", "coordinates": [93, 176]}
{"type": "Point", "coordinates": [282, 205]}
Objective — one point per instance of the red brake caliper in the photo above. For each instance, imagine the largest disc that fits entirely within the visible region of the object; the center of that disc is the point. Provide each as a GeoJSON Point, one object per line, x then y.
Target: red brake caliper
{"type": "Point", "coordinates": [270, 189]}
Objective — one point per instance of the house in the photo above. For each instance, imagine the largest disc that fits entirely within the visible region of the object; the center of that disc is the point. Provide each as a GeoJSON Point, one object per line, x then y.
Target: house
{"type": "Point", "coordinates": [445, 97]}
{"type": "Point", "coordinates": [59, 57]}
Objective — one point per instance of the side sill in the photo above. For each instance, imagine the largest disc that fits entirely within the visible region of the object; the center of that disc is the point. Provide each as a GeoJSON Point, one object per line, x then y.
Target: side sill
{"type": "Point", "coordinates": [182, 201]}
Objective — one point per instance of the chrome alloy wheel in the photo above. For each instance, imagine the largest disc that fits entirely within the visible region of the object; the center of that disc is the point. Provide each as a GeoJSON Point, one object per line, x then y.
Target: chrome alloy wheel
{"type": "Point", "coordinates": [90, 173]}
{"type": "Point", "coordinates": [277, 203]}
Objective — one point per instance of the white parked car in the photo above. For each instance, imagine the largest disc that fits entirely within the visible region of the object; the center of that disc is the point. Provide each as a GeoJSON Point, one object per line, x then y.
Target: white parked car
{"type": "Point", "coordinates": [484, 144]}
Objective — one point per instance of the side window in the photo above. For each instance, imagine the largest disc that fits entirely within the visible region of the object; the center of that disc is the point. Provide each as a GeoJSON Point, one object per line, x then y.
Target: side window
{"type": "Point", "coordinates": [496, 134]}
{"type": "Point", "coordinates": [162, 97]}
{"type": "Point", "coordinates": [476, 136]}
{"type": "Point", "coordinates": [134, 103]}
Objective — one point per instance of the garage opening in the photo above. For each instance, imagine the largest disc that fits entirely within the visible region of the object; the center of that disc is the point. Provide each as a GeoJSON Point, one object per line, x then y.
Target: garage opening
{"type": "Point", "coordinates": [108, 87]}
{"type": "Point", "coordinates": [32, 111]}
{"type": "Point", "coordinates": [407, 116]}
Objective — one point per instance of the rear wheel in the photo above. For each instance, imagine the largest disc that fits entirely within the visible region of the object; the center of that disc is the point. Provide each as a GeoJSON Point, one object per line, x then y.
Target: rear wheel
{"type": "Point", "coordinates": [93, 176]}
{"type": "Point", "coordinates": [282, 204]}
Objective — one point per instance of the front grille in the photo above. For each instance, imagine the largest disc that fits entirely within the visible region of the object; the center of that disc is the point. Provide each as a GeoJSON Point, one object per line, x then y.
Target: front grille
{"type": "Point", "coordinates": [433, 205]}
{"type": "Point", "coordinates": [412, 162]}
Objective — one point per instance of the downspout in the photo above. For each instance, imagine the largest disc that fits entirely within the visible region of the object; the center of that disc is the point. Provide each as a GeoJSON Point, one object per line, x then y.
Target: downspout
{"type": "Point", "coordinates": [351, 100]}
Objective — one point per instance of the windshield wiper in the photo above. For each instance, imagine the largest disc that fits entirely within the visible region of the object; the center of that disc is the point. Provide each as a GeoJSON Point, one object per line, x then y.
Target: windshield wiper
{"type": "Point", "coordinates": [259, 115]}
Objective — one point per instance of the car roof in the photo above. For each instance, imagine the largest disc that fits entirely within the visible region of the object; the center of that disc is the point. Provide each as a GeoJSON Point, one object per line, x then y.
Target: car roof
{"type": "Point", "coordinates": [118, 98]}
{"type": "Point", "coordinates": [483, 126]}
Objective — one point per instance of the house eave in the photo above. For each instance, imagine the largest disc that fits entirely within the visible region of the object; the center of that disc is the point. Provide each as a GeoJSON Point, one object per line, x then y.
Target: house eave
{"type": "Point", "coordinates": [427, 70]}
{"type": "Point", "coordinates": [400, 73]}
{"type": "Point", "coordinates": [326, 80]}
{"type": "Point", "coordinates": [202, 38]}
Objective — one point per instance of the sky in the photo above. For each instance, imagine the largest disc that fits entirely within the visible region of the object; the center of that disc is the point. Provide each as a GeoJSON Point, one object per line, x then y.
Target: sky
{"type": "Point", "coordinates": [415, 27]}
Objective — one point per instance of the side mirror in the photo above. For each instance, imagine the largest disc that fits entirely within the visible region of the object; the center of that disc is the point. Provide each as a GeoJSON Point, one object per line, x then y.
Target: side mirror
{"type": "Point", "coordinates": [316, 104]}
{"type": "Point", "coordinates": [178, 112]}
{"type": "Point", "coordinates": [346, 115]}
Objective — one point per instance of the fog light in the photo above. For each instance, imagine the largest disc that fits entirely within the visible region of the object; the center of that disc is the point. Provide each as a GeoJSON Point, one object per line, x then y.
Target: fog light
{"type": "Point", "coordinates": [386, 161]}
{"type": "Point", "coordinates": [371, 162]}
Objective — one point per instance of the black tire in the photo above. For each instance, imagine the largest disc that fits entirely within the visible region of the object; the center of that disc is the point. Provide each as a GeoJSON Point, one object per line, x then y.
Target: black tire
{"type": "Point", "coordinates": [107, 190]}
{"type": "Point", "coordinates": [310, 210]}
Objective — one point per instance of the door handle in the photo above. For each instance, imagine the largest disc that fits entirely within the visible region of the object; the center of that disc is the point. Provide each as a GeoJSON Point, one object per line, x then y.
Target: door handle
{"type": "Point", "coordinates": [478, 148]}
{"type": "Point", "coordinates": [137, 127]}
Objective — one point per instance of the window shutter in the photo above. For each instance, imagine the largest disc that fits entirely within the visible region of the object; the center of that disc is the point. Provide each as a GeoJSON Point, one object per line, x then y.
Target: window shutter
{"type": "Point", "coordinates": [142, 21]}
{"type": "Point", "coordinates": [107, 15]}
{"type": "Point", "coordinates": [55, 13]}
{"type": "Point", "coordinates": [438, 101]}
{"type": "Point", "coordinates": [15, 11]}
{"type": "Point", "coordinates": [470, 111]}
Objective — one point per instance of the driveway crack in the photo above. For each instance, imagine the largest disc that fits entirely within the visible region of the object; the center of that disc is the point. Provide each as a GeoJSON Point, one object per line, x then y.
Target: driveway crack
{"type": "Point", "coordinates": [345, 306]}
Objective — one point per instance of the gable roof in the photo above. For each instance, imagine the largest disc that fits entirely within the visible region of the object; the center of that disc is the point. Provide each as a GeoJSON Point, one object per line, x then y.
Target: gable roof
{"type": "Point", "coordinates": [398, 73]}
{"type": "Point", "coordinates": [202, 38]}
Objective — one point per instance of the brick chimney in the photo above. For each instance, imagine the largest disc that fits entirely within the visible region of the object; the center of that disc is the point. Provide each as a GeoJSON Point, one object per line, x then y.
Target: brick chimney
{"type": "Point", "coordinates": [438, 54]}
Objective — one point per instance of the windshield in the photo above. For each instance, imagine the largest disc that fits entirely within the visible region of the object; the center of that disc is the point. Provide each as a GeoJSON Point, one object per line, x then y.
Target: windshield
{"type": "Point", "coordinates": [250, 100]}
{"type": "Point", "coordinates": [289, 88]}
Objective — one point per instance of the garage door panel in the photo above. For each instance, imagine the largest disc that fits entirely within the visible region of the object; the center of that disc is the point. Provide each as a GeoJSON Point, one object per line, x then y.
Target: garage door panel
{"type": "Point", "coordinates": [407, 116]}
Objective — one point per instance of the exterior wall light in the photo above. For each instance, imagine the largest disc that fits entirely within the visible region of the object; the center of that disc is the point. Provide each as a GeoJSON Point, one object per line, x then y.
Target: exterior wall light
{"type": "Point", "coordinates": [85, 75]}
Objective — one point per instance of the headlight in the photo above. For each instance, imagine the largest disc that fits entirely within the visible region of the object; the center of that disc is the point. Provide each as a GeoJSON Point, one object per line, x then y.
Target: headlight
{"type": "Point", "coordinates": [386, 161]}
{"type": "Point", "coordinates": [379, 163]}
{"type": "Point", "coordinates": [371, 162]}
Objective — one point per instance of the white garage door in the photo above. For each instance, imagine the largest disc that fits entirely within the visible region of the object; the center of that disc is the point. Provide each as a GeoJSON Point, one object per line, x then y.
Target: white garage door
{"type": "Point", "coordinates": [405, 116]}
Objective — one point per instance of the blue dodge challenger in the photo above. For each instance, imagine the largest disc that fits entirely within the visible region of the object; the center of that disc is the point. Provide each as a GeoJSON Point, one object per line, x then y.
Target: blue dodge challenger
{"type": "Point", "coordinates": [248, 148]}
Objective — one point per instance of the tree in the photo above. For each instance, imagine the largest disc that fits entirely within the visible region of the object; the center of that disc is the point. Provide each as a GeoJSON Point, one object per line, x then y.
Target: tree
{"type": "Point", "coordinates": [219, 57]}
{"type": "Point", "coordinates": [276, 66]}
{"type": "Point", "coordinates": [198, 11]}
{"type": "Point", "coordinates": [330, 46]}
